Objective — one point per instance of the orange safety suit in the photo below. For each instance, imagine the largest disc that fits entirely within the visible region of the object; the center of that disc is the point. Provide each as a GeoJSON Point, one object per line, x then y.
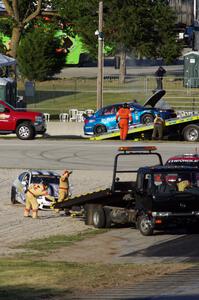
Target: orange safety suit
{"type": "Point", "coordinates": [63, 187]}
{"type": "Point", "coordinates": [124, 116]}
{"type": "Point", "coordinates": [34, 191]}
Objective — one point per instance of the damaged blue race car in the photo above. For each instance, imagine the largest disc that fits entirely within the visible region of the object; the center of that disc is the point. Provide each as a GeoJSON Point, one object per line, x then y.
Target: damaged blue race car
{"type": "Point", "coordinates": [104, 120]}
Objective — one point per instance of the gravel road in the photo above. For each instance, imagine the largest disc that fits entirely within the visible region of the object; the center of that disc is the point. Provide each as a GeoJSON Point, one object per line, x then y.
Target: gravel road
{"type": "Point", "coordinates": [15, 229]}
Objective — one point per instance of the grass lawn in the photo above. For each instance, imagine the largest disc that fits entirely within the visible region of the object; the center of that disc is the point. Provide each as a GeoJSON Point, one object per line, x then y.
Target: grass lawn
{"type": "Point", "coordinates": [31, 276]}
{"type": "Point", "coordinates": [56, 96]}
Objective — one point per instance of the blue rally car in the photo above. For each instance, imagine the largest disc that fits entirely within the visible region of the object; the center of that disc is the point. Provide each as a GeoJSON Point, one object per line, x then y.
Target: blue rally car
{"type": "Point", "coordinates": [104, 120]}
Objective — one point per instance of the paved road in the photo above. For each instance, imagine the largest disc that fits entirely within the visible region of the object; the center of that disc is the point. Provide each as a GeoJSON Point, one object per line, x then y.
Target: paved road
{"type": "Point", "coordinates": [75, 154]}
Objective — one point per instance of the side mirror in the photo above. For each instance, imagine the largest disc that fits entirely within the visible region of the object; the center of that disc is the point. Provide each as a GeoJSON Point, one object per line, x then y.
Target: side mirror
{"type": "Point", "coordinates": [6, 110]}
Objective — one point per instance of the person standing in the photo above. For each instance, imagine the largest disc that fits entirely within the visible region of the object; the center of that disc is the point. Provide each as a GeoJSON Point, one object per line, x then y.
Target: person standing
{"type": "Point", "coordinates": [33, 192]}
{"type": "Point", "coordinates": [123, 117]}
{"type": "Point", "coordinates": [159, 77]}
{"type": "Point", "coordinates": [63, 187]}
{"type": "Point", "coordinates": [158, 128]}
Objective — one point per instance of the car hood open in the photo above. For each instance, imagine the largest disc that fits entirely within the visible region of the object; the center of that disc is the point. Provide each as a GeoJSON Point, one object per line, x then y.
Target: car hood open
{"type": "Point", "coordinates": [155, 98]}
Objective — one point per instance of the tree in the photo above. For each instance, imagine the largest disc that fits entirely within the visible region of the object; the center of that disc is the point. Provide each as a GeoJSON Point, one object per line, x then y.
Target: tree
{"type": "Point", "coordinates": [145, 27]}
{"type": "Point", "coordinates": [21, 13]}
{"type": "Point", "coordinates": [37, 55]}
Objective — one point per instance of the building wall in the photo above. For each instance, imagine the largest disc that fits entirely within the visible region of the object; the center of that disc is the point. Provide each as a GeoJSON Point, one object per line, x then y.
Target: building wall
{"type": "Point", "coordinates": [184, 9]}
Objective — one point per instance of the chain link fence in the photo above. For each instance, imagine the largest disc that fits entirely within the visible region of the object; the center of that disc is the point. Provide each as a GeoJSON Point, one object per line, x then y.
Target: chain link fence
{"type": "Point", "coordinates": [58, 96]}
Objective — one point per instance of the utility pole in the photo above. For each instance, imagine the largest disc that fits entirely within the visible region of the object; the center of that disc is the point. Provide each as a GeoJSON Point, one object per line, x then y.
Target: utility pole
{"type": "Point", "coordinates": [100, 74]}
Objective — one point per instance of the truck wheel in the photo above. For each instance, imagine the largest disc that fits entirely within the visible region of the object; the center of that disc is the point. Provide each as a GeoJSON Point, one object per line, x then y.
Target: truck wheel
{"type": "Point", "coordinates": [89, 209]}
{"type": "Point", "coordinates": [147, 118]}
{"type": "Point", "coordinates": [99, 129]}
{"type": "Point", "coordinates": [145, 226]}
{"type": "Point", "coordinates": [25, 131]}
{"type": "Point", "coordinates": [99, 218]}
{"type": "Point", "coordinates": [191, 133]}
{"type": "Point", "coordinates": [13, 195]}
{"type": "Point", "coordinates": [107, 217]}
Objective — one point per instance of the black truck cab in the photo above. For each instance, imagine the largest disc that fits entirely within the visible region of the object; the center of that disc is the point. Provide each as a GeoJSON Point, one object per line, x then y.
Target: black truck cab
{"type": "Point", "coordinates": [166, 196]}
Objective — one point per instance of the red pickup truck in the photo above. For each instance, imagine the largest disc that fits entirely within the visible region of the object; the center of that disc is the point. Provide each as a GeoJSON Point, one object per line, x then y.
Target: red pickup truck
{"type": "Point", "coordinates": [26, 124]}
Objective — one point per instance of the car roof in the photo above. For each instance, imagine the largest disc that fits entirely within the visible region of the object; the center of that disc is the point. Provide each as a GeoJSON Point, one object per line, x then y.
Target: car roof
{"type": "Point", "coordinates": [172, 168]}
{"type": "Point", "coordinates": [43, 172]}
{"type": "Point", "coordinates": [186, 156]}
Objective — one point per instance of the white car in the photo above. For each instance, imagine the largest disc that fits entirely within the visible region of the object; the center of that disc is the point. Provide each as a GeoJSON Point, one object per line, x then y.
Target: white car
{"type": "Point", "coordinates": [21, 184]}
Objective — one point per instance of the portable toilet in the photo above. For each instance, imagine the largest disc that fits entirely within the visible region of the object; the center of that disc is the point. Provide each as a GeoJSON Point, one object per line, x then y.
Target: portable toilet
{"type": "Point", "coordinates": [8, 90]}
{"type": "Point", "coordinates": [191, 69]}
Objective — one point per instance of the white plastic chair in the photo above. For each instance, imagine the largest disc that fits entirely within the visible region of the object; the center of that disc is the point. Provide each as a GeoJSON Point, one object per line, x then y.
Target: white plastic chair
{"type": "Point", "coordinates": [73, 114]}
{"type": "Point", "coordinates": [47, 117]}
{"type": "Point", "coordinates": [80, 117]}
{"type": "Point", "coordinates": [89, 112]}
{"type": "Point", "coordinates": [63, 117]}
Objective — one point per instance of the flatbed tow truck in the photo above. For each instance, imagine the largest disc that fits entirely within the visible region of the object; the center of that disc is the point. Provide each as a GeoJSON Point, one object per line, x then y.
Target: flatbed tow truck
{"type": "Point", "coordinates": [142, 201]}
{"type": "Point", "coordinates": [185, 128]}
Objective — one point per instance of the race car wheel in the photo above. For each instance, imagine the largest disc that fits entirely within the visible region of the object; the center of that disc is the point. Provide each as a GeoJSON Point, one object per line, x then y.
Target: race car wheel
{"type": "Point", "coordinates": [144, 225]}
{"type": "Point", "coordinates": [25, 131]}
{"type": "Point", "coordinates": [99, 129]}
{"type": "Point", "coordinates": [13, 195]}
{"type": "Point", "coordinates": [191, 133]}
{"type": "Point", "coordinates": [147, 119]}
{"type": "Point", "coordinates": [99, 218]}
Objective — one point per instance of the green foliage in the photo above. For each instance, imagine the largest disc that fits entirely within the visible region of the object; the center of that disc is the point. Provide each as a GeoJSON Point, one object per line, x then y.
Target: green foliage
{"type": "Point", "coordinates": [145, 27]}
{"type": "Point", "coordinates": [37, 55]}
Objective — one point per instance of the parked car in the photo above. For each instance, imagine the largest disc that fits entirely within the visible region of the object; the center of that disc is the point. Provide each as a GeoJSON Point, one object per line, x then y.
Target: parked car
{"type": "Point", "coordinates": [189, 159]}
{"type": "Point", "coordinates": [104, 120]}
{"type": "Point", "coordinates": [22, 182]}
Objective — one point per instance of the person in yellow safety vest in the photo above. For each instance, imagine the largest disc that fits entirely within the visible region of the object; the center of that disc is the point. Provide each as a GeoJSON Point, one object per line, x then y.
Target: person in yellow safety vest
{"type": "Point", "coordinates": [158, 127]}
{"type": "Point", "coordinates": [33, 192]}
{"type": "Point", "coordinates": [63, 187]}
{"type": "Point", "coordinates": [182, 185]}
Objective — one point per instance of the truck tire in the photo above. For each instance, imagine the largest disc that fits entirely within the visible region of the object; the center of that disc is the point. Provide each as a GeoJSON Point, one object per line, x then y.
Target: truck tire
{"type": "Point", "coordinates": [191, 133]}
{"type": "Point", "coordinates": [99, 218]}
{"type": "Point", "coordinates": [13, 195]}
{"type": "Point", "coordinates": [147, 119]}
{"type": "Point", "coordinates": [107, 217]}
{"type": "Point", "coordinates": [89, 209]}
{"type": "Point", "coordinates": [144, 225]}
{"type": "Point", "coordinates": [25, 131]}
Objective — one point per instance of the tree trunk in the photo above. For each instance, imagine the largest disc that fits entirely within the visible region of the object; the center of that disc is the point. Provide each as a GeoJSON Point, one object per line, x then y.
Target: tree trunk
{"type": "Point", "coordinates": [122, 66]}
{"type": "Point", "coordinates": [16, 35]}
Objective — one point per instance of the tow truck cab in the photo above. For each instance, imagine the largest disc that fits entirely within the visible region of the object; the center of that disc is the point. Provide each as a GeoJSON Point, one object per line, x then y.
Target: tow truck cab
{"type": "Point", "coordinates": [166, 196]}
{"type": "Point", "coordinates": [160, 196]}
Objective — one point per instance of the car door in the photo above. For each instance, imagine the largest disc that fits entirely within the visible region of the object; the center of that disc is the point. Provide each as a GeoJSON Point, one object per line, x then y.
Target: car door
{"type": "Point", "coordinates": [6, 119]}
{"type": "Point", "coordinates": [108, 116]}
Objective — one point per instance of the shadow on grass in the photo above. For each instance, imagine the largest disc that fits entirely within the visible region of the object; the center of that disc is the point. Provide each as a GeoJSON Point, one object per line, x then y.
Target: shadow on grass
{"type": "Point", "coordinates": [24, 292]}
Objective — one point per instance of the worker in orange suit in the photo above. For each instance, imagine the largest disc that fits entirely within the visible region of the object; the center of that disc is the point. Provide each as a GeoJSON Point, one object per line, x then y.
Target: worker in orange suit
{"type": "Point", "coordinates": [123, 117]}
{"type": "Point", "coordinates": [33, 192]}
{"type": "Point", "coordinates": [63, 187]}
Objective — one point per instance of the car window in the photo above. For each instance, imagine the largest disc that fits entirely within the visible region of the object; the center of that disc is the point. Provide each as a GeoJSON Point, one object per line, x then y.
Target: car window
{"type": "Point", "coordinates": [109, 110]}
{"type": "Point", "coordinates": [52, 179]}
{"type": "Point", "coordinates": [21, 176]}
